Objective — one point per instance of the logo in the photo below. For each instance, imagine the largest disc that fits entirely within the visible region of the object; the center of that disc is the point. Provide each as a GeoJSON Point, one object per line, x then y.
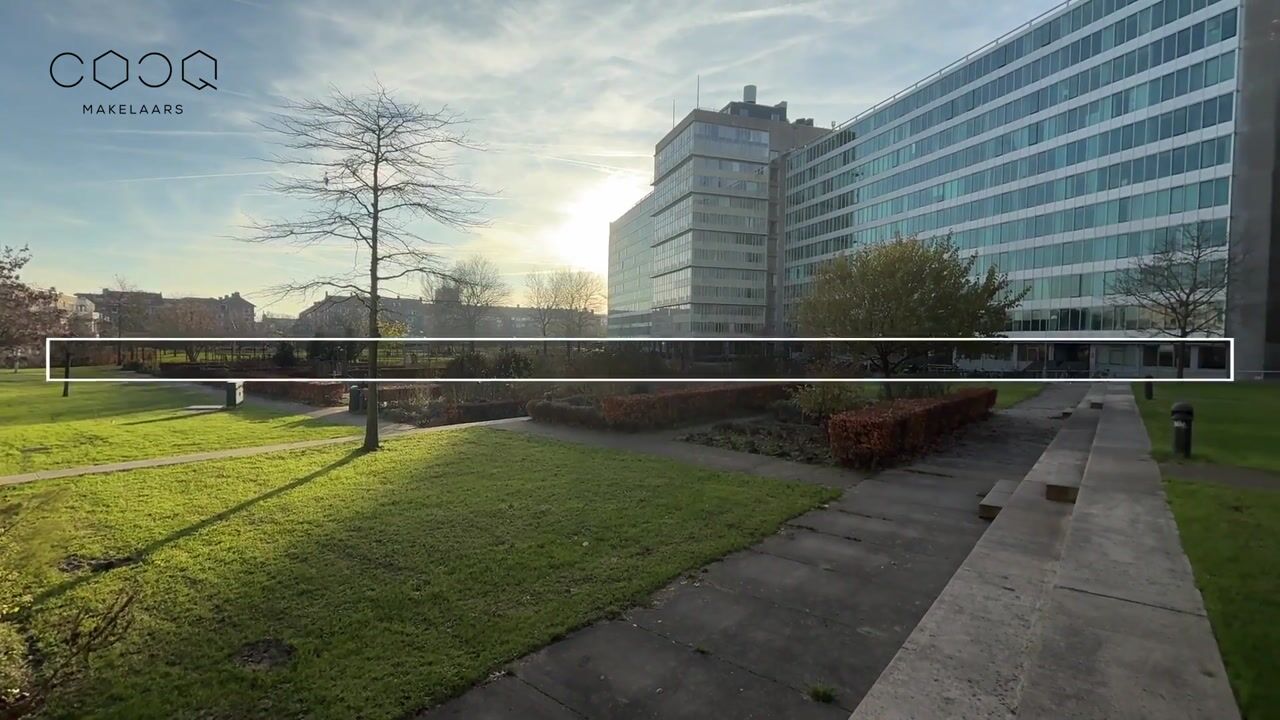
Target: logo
{"type": "Point", "coordinates": [111, 70]}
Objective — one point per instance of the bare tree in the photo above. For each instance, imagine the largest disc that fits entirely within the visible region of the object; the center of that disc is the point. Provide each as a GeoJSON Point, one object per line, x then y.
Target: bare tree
{"type": "Point", "coordinates": [581, 293]}
{"type": "Point", "coordinates": [371, 165]}
{"type": "Point", "coordinates": [543, 295]}
{"type": "Point", "coordinates": [1183, 283]}
{"type": "Point", "coordinates": [126, 310]}
{"type": "Point", "coordinates": [27, 314]}
{"type": "Point", "coordinates": [187, 317]}
{"type": "Point", "coordinates": [467, 294]}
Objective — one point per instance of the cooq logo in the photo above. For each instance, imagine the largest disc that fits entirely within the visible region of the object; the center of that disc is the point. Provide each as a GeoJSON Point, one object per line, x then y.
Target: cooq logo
{"type": "Point", "coordinates": [111, 70]}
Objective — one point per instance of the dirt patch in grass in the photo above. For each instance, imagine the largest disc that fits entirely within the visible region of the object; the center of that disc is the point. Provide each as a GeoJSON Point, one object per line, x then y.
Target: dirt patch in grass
{"type": "Point", "coordinates": [265, 655]}
{"type": "Point", "coordinates": [76, 563]}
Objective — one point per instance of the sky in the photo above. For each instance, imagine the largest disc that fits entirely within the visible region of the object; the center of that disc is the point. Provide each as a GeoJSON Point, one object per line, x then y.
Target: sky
{"type": "Point", "coordinates": [566, 98]}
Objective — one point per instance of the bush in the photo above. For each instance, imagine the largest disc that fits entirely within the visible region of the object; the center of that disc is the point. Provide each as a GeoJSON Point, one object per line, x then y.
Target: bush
{"type": "Point", "coordinates": [284, 356]}
{"type": "Point", "coordinates": [822, 400]}
{"type": "Point", "coordinates": [321, 394]}
{"type": "Point", "coordinates": [511, 364]}
{"type": "Point", "coordinates": [660, 410]}
{"type": "Point", "coordinates": [468, 365]}
{"type": "Point", "coordinates": [895, 430]}
{"type": "Point", "coordinates": [565, 413]}
{"type": "Point", "coordinates": [484, 410]}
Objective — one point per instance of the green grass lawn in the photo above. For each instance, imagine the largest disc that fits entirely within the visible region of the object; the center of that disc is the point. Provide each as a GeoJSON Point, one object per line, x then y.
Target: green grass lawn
{"type": "Point", "coordinates": [401, 577]}
{"type": "Point", "coordinates": [1008, 394]}
{"type": "Point", "coordinates": [1232, 536]}
{"type": "Point", "coordinates": [1235, 423]}
{"type": "Point", "coordinates": [110, 422]}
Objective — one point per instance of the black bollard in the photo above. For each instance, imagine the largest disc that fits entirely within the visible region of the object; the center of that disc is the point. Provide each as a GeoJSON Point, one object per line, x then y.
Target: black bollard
{"type": "Point", "coordinates": [1183, 416]}
{"type": "Point", "coordinates": [1149, 388]}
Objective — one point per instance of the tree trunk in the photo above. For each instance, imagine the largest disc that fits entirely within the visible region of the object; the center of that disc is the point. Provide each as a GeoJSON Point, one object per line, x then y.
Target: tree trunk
{"type": "Point", "coordinates": [1180, 359]}
{"type": "Point", "coordinates": [66, 372]}
{"type": "Point", "coordinates": [371, 392]}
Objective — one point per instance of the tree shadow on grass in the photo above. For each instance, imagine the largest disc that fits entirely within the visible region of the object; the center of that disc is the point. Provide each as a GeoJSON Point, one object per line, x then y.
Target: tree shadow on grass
{"type": "Point", "coordinates": [143, 552]}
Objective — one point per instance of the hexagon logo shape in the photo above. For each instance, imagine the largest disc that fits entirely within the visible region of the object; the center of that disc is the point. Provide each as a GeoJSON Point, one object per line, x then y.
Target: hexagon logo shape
{"type": "Point", "coordinates": [123, 60]}
{"type": "Point", "coordinates": [204, 83]}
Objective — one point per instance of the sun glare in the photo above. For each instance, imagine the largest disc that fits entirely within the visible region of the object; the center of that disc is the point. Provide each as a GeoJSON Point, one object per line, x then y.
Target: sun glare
{"type": "Point", "coordinates": [581, 239]}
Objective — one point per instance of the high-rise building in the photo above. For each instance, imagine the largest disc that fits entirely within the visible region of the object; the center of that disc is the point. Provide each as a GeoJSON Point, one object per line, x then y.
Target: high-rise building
{"type": "Point", "coordinates": [710, 224]}
{"type": "Point", "coordinates": [1059, 154]}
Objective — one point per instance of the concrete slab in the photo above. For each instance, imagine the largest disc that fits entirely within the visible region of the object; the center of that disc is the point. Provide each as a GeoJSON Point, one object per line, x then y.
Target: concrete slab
{"type": "Point", "coordinates": [796, 648]}
{"type": "Point", "coordinates": [867, 561]}
{"type": "Point", "coordinates": [937, 539]}
{"type": "Point", "coordinates": [505, 698]}
{"type": "Point", "coordinates": [1135, 662]}
{"type": "Point", "coordinates": [880, 493]}
{"type": "Point", "coordinates": [849, 599]}
{"type": "Point", "coordinates": [619, 670]}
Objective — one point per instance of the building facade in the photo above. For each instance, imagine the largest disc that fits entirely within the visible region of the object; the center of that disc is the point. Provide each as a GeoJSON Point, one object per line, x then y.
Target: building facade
{"type": "Point", "coordinates": [1063, 153]}
{"type": "Point", "coordinates": [711, 226]}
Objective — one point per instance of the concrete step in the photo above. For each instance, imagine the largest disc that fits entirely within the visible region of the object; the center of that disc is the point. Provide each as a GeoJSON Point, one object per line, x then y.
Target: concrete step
{"type": "Point", "coordinates": [967, 656]}
{"type": "Point", "coordinates": [996, 498]}
{"type": "Point", "coordinates": [1123, 617]}
{"type": "Point", "coordinates": [1062, 489]}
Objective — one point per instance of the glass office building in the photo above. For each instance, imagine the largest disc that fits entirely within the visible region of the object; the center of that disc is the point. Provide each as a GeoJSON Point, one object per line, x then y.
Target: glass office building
{"type": "Point", "coordinates": [697, 257]}
{"type": "Point", "coordinates": [1056, 154]}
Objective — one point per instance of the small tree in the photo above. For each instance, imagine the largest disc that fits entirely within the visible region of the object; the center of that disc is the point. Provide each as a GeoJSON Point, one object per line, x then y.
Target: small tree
{"type": "Point", "coordinates": [371, 165]}
{"type": "Point", "coordinates": [27, 314]}
{"type": "Point", "coordinates": [187, 317]}
{"type": "Point", "coordinates": [127, 311]}
{"type": "Point", "coordinates": [543, 296]}
{"type": "Point", "coordinates": [468, 292]}
{"type": "Point", "coordinates": [905, 288]}
{"type": "Point", "coordinates": [581, 294]}
{"type": "Point", "coordinates": [1183, 283]}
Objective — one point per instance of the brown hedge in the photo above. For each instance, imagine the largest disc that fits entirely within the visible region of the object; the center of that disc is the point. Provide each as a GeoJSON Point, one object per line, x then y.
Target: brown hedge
{"type": "Point", "coordinates": [895, 430]}
{"type": "Point", "coordinates": [648, 411]}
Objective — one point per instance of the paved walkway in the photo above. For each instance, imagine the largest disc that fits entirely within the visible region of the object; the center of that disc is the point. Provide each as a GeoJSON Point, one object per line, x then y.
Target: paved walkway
{"type": "Point", "coordinates": [387, 434]}
{"type": "Point", "coordinates": [825, 603]}
{"type": "Point", "coordinates": [1084, 610]}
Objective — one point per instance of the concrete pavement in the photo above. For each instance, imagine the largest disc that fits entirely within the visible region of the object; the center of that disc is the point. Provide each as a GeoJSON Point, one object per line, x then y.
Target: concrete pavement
{"type": "Point", "coordinates": [823, 604]}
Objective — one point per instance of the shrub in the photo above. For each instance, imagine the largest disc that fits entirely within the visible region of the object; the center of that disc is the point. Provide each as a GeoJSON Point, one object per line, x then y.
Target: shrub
{"type": "Point", "coordinates": [321, 394]}
{"type": "Point", "coordinates": [565, 413]}
{"type": "Point", "coordinates": [822, 400]}
{"type": "Point", "coordinates": [659, 410]}
{"type": "Point", "coordinates": [484, 410]}
{"type": "Point", "coordinates": [891, 431]}
{"type": "Point", "coordinates": [512, 364]}
{"type": "Point", "coordinates": [468, 365]}
{"type": "Point", "coordinates": [284, 356]}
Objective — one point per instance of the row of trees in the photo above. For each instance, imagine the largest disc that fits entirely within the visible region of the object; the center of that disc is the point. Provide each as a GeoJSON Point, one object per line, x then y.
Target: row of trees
{"type": "Point", "coordinates": [563, 301]}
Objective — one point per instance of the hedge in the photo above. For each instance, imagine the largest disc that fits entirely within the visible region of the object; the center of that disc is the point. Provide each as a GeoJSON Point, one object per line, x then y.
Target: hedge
{"type": "Point", "coordinates": [565, 413]}
{"type": "Point", "coordinates": [895, 430]}
{"type": "Point", "coordinates": [484, 410]}
{"type": "Point", "coordinates": [649, 411]}
{"type": "Point", "coordinates": [321, 394]}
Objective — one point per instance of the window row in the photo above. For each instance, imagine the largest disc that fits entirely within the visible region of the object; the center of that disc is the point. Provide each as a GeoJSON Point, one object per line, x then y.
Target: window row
{"type": "Point", "coordinates": [1099, 317]}
{"type": "Point", "coordinates": [1081, 50]}
{"type": "Point", "coordinates": [1157, 127]}
{"type": "Point", "coordinates": [1106, 247]}
{"type": "Point", "coordinates": [1157, 203]}
{"type": "Point", "coordinates": [1171, 85]}
{"type": "Point", "coordinates": [1155, 166]}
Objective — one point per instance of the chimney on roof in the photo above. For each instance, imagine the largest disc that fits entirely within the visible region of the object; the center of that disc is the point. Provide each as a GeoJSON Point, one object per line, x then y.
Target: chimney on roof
{"type": "Point", "coordinates": [749, 93]}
